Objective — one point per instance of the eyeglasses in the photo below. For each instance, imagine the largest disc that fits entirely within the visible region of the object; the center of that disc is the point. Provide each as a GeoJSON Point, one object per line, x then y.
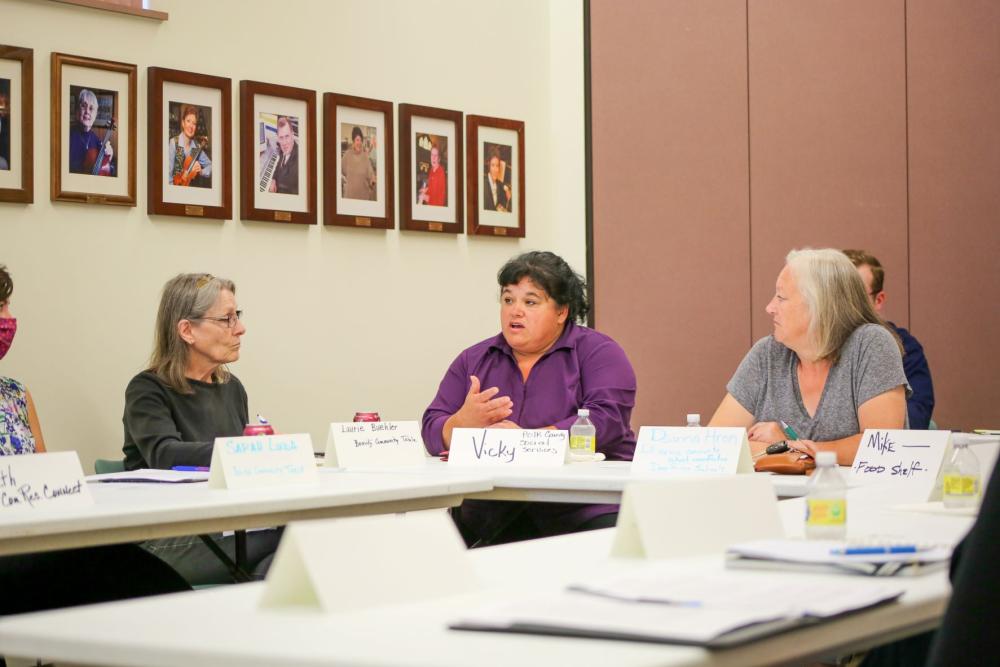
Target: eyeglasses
{"type": "Point", "coordinates": [229, 320]}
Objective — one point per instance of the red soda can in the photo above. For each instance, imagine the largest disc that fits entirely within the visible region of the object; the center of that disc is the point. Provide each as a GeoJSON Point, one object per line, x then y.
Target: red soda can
{"type": "Point", "coordinates": [367, 417]}
{"type": "Point", "coordinates": [262, 427]}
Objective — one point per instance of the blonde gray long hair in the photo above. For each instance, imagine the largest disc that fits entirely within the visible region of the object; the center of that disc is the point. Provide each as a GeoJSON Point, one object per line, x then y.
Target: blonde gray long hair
{"type": "Point", "coordinates": [836, 298]}
{"type": "Point", "coordinates": [187, 296]}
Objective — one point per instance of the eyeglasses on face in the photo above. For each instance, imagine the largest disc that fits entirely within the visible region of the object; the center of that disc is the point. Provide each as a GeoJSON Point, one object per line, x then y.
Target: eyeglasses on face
{"type": "Point", "coordinates": [229, 320]}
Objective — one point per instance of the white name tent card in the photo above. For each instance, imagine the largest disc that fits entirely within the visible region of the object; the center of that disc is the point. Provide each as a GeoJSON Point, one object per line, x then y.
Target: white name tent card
{"type": "Point", "coordinates": [253, 461]}
{"type": "Point", "coordinates": [504, 446]}
{"type": "Point", "coordinates": [687, 517]}
{"type": "Point", "coordinates": [374, 444]}
{"type": "Point", "coordinates": [683, 450]}
{"type": "Point", "coordinates": [345, 564]}
{"type": "Point", "coordinates": [42, 481]}
{"type": "Point", "coordinates": [909, 459]}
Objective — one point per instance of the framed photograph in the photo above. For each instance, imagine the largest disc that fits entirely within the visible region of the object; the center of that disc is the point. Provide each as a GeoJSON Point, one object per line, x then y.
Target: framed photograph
{"type": "Point", "coordinates": [495, 177]}
{"type": "Point", "coordinates": [357, 162]}
{"type": "Point", "coordinates": [190, 144]}
{"type": "Point", "coordinates": [93, 130]}
{"type": "Point", "coordinates": [277, 153]}
{"type": "Point", "coordinates": [17, 166]}
{"type": "Point", "coordinates": [430, 157]}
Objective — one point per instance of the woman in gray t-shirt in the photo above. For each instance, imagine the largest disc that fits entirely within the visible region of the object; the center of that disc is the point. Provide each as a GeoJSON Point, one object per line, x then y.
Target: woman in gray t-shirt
{"type": "Point", "coordinates": [830, 370]}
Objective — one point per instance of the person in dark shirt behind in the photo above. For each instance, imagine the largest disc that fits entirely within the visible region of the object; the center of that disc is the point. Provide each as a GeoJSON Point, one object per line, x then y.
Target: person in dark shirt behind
{"type": "Point", "coordinates": [920, 404]}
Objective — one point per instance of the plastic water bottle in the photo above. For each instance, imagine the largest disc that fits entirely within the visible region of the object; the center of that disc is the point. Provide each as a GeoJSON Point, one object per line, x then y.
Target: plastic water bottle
{"type": "Point", "coordinates": [694, 419]}
{"type": "Point", "coordinates": [583, 434]}
{"type": "Point", "coordinates": [960, 486]}
{"type": "Point", "coordinates": [826, 501]}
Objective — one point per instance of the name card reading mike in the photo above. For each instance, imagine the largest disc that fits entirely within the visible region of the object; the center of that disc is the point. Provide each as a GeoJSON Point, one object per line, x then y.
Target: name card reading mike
{"type": "Point", "coordinates": [504, 446]}
{"type": "Point", "coordinates": [911, 459]}
{"type": "Point", "coordinates": [691, 451]}
{"type": "Point", "coordinates": [372, 444]}
{"type": "Point", "coordinates": [262, 460]}
{"type": "Point", "coordinates": [41, 481]}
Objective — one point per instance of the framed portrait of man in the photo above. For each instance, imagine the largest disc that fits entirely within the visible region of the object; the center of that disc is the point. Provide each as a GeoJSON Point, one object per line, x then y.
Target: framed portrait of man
{"type": "Point", "coordinates": [495, 176]}
{"type": "Point", "coordinates": [277, 153]}
{"type": "Point", "coordinates": [93, 130]}
{"type": "Point", "coordinates": [16, 110]}
{"type": "Point", "coordinates": [430, 156]}
{"type": "Point", "coordinates": [358, 162]}
{"type": "Point", "coordinates": [190, 144]}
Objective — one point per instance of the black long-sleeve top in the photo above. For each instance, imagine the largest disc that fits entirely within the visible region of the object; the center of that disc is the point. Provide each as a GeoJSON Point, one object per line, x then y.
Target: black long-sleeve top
{"type": "Point", "coordinates": [164, 428]}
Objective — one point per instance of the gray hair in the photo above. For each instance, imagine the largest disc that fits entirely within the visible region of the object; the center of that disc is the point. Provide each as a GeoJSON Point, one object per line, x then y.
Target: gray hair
{"type": "Point", "coordinates": [836, 297]}
{"type": "Point", "coordinates": [86, 94]}
{"type": "Point", "coordinates": [187, 296]}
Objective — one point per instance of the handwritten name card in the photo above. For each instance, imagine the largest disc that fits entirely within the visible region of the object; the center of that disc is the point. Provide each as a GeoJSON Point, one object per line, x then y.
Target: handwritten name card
{"type": "Point", "coordinates": [690, 451]}
{"type": "Point", "coordinates": [374, 444]}
{"type": "Point", "coordinates": [262, 460]}
{"type": "Point", "coordinates": [510, 447]}
{"type": "Point", "coordinates": [345, 564]}
{"type": "Point", "coordinates": [910, 459]}
{"type": "Point", "coordinates": [42, 481]}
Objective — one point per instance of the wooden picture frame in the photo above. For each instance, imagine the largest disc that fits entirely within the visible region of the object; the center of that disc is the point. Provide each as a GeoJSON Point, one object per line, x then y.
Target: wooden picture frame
{"type": "Point", "coordinates": [93, 167]}
{"type": "Point", "coordinates": [17, 128]}
{"type": "Point", "coordinates": [274, 152]}
{"type": "Point", "coordinates": [425, 203]}
{"type": "Point", "coordinates": [358, 188]}
{"type": "Point", "coordinates": [495, 176]}
{"type": "Point", "coordinates": [189, 144]}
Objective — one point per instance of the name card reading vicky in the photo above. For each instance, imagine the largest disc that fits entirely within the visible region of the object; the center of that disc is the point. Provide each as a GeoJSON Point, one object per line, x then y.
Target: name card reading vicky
{"type": "Point", "coordinates": [691, 451]}
{"type": "Point", "coordinates": [910, 459]}
{"type": "Point", "coordinates": [41, 481]}
{"type": "Point", "coordinates": [374, 444]}
{"type": "Point", "coordinates": [510, 447]}
{"type": "Point", "coordinates": [262, 460]}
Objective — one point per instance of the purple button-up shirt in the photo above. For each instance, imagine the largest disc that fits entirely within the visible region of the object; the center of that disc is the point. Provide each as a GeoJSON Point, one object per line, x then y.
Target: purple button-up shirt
{"type": "Point", "coordinates": [584, 369]}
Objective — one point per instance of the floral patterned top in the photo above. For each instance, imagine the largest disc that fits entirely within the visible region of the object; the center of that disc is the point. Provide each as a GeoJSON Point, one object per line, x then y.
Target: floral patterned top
{"type": "Point", "coordinates": [15, 432]}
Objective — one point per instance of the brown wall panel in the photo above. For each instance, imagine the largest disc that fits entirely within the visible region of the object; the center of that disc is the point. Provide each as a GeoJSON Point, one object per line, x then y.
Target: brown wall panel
{"type": "Point", "coordinates": [953, 53]}
{"type": "Point", "coordinates": [671, 253]}
{"type": "Point", "coordinates": [827, 138]}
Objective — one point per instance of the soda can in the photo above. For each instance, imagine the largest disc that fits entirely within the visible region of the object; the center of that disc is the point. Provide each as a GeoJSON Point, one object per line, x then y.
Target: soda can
{"type": "Point", "coordinates": [367, 417]}
{"type": "Point", "coordinates": [258, 429]}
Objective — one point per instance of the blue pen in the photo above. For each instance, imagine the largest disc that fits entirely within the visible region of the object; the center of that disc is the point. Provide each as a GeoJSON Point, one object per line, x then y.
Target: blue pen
{"type": "Point", "coordinates": [868, 551]}
{"type": "Point", "coordinates": [789, 431]}
{"type": "Point", "coordinates": [191, 468]}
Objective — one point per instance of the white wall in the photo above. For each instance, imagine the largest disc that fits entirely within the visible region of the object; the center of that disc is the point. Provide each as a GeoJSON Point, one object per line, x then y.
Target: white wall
{"type": "Point", "coordinates": [338, 319]}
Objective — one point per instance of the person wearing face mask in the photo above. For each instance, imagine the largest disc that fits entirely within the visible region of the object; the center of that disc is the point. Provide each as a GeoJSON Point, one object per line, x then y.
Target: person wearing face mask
{"type": "Point", "coordinates": [20, 432]}
{"type": "Point", "coordinates": [536, 373]}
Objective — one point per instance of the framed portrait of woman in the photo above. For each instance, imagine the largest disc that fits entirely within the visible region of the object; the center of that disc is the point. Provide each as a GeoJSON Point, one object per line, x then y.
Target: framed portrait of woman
{"type": "Point", "coordinates": [189, 142]}
{"type": "Point", "coordinates": [358, 162]}
{"type": "Point", "coordinates": [93, 130]}
{"type": "Point", "coordinates": [277, 153]}
{"type": "Point", "coordinates": [430, 156]}
{"type": "Point", "coordinates": [16, 128]}
{"type": "Point", "coordinates": [495, 176]}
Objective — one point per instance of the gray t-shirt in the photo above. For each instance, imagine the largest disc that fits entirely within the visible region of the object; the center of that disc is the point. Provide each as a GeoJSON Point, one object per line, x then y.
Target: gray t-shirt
{"type": "Point", "coordinates": [767, 385]}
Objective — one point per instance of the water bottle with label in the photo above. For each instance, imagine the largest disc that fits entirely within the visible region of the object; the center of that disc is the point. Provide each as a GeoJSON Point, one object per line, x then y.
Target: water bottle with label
{"type": "Point", "coordinates": [826, 501]}
{"type": "Point", "coordinates": [582, 434]}
{"type": "Point", "coordinates": [960, 484]}
{"type": "Point", "coordinates": [694, 419]}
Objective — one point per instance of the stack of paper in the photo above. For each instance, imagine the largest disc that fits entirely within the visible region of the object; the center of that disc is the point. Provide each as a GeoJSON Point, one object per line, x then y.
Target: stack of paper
{"type": "Point", "coordinates": [825, 556]}
{"type": "Point", "coordinates": [705, 610]}
{"type": "Point", "coordinates": [150, 475]}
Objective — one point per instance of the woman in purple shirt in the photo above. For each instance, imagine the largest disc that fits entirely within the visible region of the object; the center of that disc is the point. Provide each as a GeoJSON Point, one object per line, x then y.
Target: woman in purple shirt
{"type": "Point", "coordinates": [536, 373]}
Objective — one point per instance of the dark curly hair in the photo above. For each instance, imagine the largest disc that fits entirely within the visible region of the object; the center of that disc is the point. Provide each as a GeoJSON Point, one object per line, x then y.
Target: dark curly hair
{"type": "Point", "coordinates": [550, 272]}
{"type": "Point", "coordinates": [6, 284]}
